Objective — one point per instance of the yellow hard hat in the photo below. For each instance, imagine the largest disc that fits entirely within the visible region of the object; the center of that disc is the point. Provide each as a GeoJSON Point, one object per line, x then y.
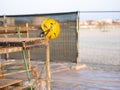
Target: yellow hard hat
{"type": "Point", "coordinates": [50, 28]}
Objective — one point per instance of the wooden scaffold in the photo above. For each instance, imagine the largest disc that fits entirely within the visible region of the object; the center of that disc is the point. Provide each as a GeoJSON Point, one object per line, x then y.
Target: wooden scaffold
{"type": "Point", "coordinates": [9, 45]}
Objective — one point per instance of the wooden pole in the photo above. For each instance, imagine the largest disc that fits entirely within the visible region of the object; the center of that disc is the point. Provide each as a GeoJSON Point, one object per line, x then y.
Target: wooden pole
{"type": "Point", "coordinates": [6, 74]}
{"type": "Point", "coordinates": [27, 30]}
{"type": "Point", "coordinates": [48, 66]}
{"type": "Point", "coordinates": [5, 27]}
{"type": "Point", "coordinates": [0, 68]}
{"type": "Point", "coordinates": [28, 51]}
{"type": "Point", "coordinates": [42, 70]}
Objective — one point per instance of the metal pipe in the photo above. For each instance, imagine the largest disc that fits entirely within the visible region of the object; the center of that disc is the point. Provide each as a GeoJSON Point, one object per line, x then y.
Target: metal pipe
{"type": "Point", "coordinates": [25, 61]}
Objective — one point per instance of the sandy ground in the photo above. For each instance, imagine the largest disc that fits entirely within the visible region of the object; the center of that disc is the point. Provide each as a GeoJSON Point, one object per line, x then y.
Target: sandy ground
{"type": "Point", "coordinates": [100, 47]}
{"type": "Point", "coordinates": [85, 79]}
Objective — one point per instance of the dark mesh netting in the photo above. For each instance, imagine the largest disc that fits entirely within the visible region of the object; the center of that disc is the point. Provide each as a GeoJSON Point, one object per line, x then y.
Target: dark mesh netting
{"type": "Point", "coordinates": [62, 49]}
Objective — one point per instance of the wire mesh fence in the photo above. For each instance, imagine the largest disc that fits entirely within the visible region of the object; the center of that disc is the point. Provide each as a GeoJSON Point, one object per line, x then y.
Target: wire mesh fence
{"type": "Point", "coordinates": [62, 49]}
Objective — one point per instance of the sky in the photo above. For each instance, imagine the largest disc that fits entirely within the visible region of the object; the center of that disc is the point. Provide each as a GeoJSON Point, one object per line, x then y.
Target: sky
{"type": "Point", "coordinates": [16, 7]}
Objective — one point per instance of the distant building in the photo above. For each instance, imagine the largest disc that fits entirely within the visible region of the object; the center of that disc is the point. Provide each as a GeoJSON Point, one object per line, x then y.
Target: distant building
{"type": "Point", "coordinates": [107, 21]}
{"type": "Point", "coordinates": [117, 21]}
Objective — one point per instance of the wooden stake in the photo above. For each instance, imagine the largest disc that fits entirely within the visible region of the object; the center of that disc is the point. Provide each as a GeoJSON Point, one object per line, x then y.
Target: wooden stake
{"type": "Point", "coordinates": [48, 66]}
{"type": "Point", "coordinates": [27, 29]}
{"type": "Point", "coordinates": [5, 27]}
{"type": "Point", "coordinates": [6, 74]}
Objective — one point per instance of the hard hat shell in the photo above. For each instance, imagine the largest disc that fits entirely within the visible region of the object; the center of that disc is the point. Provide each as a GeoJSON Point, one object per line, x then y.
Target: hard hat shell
{"type": "Point", "coordinates": [50, 28]}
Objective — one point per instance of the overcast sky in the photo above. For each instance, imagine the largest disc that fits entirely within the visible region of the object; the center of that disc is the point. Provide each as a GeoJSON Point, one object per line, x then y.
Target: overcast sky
{"type": "Point", "coordinates": [13, 7]}
{"type": "Point", "coordinates": [51, 6]}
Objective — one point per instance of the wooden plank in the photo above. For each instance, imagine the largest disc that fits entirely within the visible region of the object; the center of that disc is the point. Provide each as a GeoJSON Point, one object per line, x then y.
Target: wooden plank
{"type": "Point", "coordinates": [78, 67]}
{"type": "Point", "coordinates": [20, 40]}
{"type": "Point", "coordinates": [16, 49]}
{"type": "Point", "coordinates": [21, 87]}
{"type": "Point", "coordinates": [8, 82]}
{"type": "Point", "coordinates": [12, 32]}
{"type": "Point", "coordinates": [10, 49]}
{"type": "Point", "coordinates": [11, 73]}
{"type": "Point", "coordinates": [35, 46]}
{"type": "Point", "coordinates": [6, 63]}
{"type": "Point", "coordinates": [21, 28]}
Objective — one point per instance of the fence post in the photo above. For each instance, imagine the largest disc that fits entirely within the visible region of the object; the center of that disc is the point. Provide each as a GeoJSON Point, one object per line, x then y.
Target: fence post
{"type": "Point", "coordinates": [78, 36]}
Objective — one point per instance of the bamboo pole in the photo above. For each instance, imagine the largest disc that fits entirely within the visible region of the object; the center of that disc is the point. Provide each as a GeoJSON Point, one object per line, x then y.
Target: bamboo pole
{"type": "Point", "coordinates": [5, 27]}
{"type": "Point", "coordinates": [48, 67]}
